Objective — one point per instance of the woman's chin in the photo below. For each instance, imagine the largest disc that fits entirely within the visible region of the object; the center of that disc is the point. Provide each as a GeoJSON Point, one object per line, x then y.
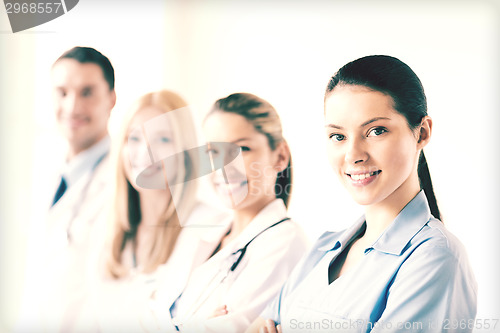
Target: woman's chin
{"type": "Point", "coordinates": [231, 196]}
{"type": "Point", "coordinates": [363, 199]}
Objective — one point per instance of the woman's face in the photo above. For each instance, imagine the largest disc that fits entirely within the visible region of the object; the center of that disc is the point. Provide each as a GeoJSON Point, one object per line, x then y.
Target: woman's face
{"type": "Point", "coordinates": [256, 176]}
{"type": "Point", "coordinates": [150, 139]}
{"type": "Point", "coordinates": [371, 147]}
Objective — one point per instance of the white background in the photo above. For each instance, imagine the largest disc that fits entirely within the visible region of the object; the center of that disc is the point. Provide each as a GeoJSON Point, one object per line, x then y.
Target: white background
{"type": "Point", "coordinates": [284, 52]}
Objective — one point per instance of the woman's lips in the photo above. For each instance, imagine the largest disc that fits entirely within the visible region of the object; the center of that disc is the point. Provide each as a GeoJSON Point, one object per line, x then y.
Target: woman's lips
{"type": "Point", "coordinates": [232, 193]}
{"type": "Point", "coordinates": [147, 170]}
{"type": "Point", "coordinates": [363, 179]}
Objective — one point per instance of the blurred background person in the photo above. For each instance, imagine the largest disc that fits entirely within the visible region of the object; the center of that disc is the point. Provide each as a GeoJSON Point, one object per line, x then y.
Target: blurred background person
{"type": "Point", "coordinates": [146, 230]}
{"type": "Point", "coordinates": [83, 84]}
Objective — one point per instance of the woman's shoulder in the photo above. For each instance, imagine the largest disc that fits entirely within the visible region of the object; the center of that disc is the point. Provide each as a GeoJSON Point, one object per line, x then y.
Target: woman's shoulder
{"type": "Point", "coordinates": [435, 253]}
{"type": "Point", "coordinates": [435, 234]}
{"type": "Point", "coordinates": [435, 242]}
{"type": "Point", "coordinates": [282, 244]}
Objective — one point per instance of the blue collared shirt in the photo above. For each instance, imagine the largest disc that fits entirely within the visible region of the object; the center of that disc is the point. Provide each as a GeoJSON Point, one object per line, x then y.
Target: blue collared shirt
{"type": "Point", "coordinates": [415, 277]}
{"type": "Point", "coordinates": [85, 162]}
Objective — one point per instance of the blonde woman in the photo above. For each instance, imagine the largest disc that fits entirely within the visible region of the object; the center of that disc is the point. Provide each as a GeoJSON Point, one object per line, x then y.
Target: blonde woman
{"type": "Point", "coordinates": [145, 227]}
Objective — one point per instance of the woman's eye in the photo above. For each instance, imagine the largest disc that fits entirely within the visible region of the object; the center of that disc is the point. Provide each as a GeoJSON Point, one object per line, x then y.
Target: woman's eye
{"type": "Point", "coordinates": [164, 139]}
{"type": "Point", "coordinates": [244, 148]}
{"type": "Point", "coordinates": [336, 137]}
{"type": "Point", "coordinates": [377, 131]}
{"type": "Point", "coordinates": [133, 138]}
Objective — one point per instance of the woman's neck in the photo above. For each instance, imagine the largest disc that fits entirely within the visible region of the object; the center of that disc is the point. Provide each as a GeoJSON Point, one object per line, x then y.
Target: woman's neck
{"type": "Point", "coordinates": [243, 217]}
{"type": "Point", "coordinates": [153, 205]}
{"type": "Point", "coordinates": [380, 215]}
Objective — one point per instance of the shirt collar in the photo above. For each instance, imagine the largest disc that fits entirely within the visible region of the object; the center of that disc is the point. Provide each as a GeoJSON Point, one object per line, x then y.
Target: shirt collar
{"type": "Point", "coordinates": [270, 214]}
{"type": "Point", "coordinates": [395, 238]}
{"type": "Point", "coordinates": [335, 240]}
{"type": "Point", "coordinates": [85, 161]}
{"type": "Point", "coordinates": [412, 218]}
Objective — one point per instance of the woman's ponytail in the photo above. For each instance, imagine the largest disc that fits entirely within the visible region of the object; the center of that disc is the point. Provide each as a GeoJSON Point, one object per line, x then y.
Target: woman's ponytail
{"type": "Point", "coordinates": [426, 184]}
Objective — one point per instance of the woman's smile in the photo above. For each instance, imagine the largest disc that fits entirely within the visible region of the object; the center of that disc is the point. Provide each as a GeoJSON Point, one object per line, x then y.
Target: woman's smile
{"type": "Point", "coordinates": [363, 178]}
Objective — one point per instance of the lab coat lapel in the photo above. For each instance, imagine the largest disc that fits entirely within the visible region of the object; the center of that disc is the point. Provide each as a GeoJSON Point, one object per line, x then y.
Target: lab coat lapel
{"type": "Point", "coordinates": [62, 213]}
{"type": "Point", "coordinates": [209, 241]}
{"type": "Point", "coordinates": [79, 207]}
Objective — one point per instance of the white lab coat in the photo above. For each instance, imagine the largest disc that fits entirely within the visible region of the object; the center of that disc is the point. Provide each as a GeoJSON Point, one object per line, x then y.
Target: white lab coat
{"type": "Point", "coordinates": [267, 263]}
{"type": "Point", "coordinates": [61, 269]}
{"type": "Point", "coordinates": [114, 304]}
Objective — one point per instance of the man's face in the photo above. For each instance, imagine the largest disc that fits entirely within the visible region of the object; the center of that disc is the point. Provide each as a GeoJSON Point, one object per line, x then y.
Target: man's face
{"type": "Point", "coordinates": [83, 103]}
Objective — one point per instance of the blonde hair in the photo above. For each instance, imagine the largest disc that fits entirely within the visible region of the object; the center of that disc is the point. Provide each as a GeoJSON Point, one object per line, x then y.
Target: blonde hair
{"type": "Point", "coordinates": [126, 213]}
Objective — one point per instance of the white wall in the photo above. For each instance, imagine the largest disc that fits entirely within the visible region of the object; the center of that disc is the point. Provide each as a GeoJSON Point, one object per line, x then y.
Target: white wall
{"type": "Point", "coordinates": [284, 53]}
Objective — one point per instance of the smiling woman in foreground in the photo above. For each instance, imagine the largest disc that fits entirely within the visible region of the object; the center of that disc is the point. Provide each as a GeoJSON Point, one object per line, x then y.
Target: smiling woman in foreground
{"type": "Point", "coordinates": [397, 267]}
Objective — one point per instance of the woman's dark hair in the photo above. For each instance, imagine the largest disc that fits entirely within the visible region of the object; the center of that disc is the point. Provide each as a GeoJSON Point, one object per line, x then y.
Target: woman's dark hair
{"type": "Point", "coordinates": [262, 115]}
{"type": "Point", "coordinates": [394, 78]}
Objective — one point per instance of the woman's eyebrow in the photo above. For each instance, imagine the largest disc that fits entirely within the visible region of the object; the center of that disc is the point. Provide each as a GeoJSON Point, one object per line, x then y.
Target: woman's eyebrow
{"type": "Point", "coordinates": [334, 126]}
{"type": "Point", "coordinates": [373, 120]}
{"type": "Point", "coordinates": [362, 125]}
{"type": "Point", "coordinates": [242, 139]}
{"type": "Point", "coordinates": [161, 132]}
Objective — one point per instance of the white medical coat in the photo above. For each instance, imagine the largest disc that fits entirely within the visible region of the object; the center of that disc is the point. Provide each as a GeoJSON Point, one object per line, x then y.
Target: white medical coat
{"type": "Point", "coordinates": [114, 305]}
{"type": "Point", "coordinates": [64, 267]}
{"type": "Point", "coordinates": [267, 263]}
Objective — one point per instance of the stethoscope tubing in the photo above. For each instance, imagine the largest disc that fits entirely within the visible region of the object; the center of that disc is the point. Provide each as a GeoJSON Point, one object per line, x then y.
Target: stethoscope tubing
{"type": "Point", "coordinates": [211, 287]}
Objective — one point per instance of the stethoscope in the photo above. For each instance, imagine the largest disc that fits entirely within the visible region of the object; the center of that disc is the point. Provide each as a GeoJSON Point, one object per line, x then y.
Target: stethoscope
{"type": "Point", "coordinates": [234, 261]}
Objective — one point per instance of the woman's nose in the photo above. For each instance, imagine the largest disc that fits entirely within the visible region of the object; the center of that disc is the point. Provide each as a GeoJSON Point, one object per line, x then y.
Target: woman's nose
{"type": "Point", "coordinates": [143, 155]}
{"type": "Point", "coordinates": [356, 152]}
{"type": "Point", "coordinates": [139, 152]}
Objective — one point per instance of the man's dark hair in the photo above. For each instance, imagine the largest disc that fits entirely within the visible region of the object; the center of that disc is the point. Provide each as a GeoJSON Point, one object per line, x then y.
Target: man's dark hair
{"type": "Point", "coordinates": [89, 55]}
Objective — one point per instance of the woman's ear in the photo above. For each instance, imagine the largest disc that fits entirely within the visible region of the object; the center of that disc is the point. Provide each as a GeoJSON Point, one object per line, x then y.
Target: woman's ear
{"type": "Point", "coordinates": [424, 132]}
{"type": "Point", "coordinates": [282, 152]}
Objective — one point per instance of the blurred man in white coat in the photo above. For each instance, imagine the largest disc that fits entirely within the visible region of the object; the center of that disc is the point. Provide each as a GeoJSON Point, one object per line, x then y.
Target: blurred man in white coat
{"type": "Point", "coordinates": [84, 95]}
